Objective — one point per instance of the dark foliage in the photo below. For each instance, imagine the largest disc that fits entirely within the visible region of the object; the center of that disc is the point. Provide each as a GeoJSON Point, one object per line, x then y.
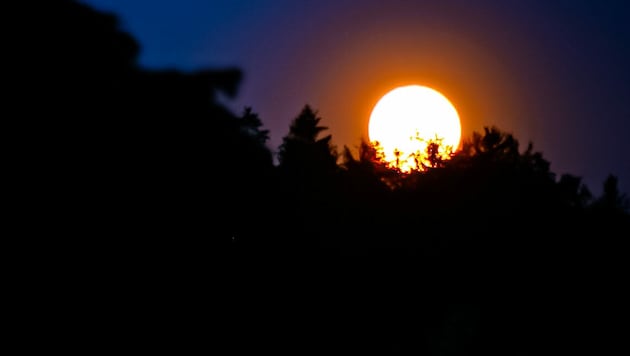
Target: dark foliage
{"type": "Point", "coordinates": [168, 215]}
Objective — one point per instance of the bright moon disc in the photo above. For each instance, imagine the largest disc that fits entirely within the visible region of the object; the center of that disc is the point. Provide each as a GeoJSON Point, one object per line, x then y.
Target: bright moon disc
{"type": "Point", "coordinates": [407, 119]}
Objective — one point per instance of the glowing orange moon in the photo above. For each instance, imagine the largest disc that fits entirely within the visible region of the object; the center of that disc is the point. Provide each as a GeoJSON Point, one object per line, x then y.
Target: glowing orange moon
{"type": "Point", "coordinates": [406, 119]}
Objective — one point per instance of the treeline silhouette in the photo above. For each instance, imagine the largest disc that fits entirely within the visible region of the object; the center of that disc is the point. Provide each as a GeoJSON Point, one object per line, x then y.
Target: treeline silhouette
{"type": "Point", "coordinates": [187, 235]}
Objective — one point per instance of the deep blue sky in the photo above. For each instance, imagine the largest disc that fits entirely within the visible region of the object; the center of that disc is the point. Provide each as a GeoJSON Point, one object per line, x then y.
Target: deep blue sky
{"type": "Point", "coordinates": [552, 72]}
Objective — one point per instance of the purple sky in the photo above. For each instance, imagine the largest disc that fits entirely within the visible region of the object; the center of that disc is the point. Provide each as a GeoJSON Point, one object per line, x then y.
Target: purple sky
{"type": "Point", "coordinates": [553, 72]}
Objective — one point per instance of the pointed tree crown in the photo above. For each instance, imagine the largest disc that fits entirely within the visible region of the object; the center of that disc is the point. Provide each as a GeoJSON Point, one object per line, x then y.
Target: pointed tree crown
{"type": "Point", "coordinates": [305, 126]}
{"type": "Point", "coordinates": [302, 146]}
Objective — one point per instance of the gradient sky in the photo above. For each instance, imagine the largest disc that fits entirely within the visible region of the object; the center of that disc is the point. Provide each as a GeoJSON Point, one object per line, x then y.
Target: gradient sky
{"type": "Point", "coordinates": [552, 72]}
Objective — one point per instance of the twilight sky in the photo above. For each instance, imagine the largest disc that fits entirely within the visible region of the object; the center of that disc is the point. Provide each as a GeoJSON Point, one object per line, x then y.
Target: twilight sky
{"type": "Point", "coordinates": [552, 72]}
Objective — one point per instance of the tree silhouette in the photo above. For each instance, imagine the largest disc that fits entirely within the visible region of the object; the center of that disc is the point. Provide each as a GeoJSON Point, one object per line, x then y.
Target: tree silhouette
{"type": "Point", "coordinates": [143, 172]}
{"type": "Point", "coordinates": [368, 173]}
{"type": "Point", "coordinates": [158, 140]}
{"type": "Point", "coordinates": [612, 202]}
{"type": "Point", "coordinates": [308, 170]}
{"type": "Point", "coordinates": [433, 155]}
{"type": "Point", "coordinates": [252, 126]}
{"type": "Point", "coordinates": [492, 145]}
{"type": "Point", "coordinates": [302, 150]}
{"type": "Point", "coordinates": [573, 192]}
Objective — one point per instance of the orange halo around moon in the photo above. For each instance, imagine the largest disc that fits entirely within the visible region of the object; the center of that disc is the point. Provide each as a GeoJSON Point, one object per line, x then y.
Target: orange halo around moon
{"type": "Point", "coordinates": [407, 119]}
